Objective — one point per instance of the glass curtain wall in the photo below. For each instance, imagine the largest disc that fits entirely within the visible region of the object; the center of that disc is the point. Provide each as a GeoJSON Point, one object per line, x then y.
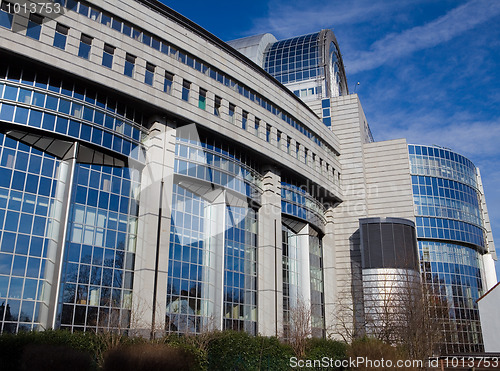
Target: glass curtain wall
{"type": "Point", "coordinates": [451, 239]}
{"type": "Point", "coordinates": [29, 217]}
{"type": "Point", "coordinates": [98, 267]}
{"type": "Point", "coordinates": [213, 239]}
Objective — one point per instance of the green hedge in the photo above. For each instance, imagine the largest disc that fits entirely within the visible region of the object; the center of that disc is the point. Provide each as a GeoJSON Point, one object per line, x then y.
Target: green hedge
{"type": "Point", "coordinates": [32, 350]}
{"type": "Point", "coordinates": [231, 350]}
{"type": "Point", "coordinates": [227, 350]}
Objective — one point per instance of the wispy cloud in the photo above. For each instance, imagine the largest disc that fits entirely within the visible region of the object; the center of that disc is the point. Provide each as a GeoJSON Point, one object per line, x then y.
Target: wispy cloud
{"type": "Point", "coordinates": [286, 19]}
{"type": "Point", "coordinates": [459, 132]}
{"type": "Point", "coordinates": [440, 30]}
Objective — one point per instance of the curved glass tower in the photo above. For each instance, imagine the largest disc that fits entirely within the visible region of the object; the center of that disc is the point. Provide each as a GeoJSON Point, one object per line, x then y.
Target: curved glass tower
{"type": "Point", "coordinates": [451, 239]}
{"type": "Point", "coordinates": [309, 65]}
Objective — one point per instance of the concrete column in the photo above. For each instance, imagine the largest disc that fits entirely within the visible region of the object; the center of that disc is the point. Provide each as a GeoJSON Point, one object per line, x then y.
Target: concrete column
{"type": "Point", "coordinates": [213, 258]}
{"type": "Point", "coordinates": [304, 266]}
{"type": "Point", "coordinates": [153, 236]}
{"type": "Point", "coordinates": [238, 115]}
{"type": "Point", "coordinates": [329, 271]}
{"type": "Point", "coordinates": [270, 278]}
{"type": "Point", "coordinates": [210, 102]}
{"type": "Point", "coordinates": [57, 242]}
{"type": "Point", "coordinates": [177, 87]}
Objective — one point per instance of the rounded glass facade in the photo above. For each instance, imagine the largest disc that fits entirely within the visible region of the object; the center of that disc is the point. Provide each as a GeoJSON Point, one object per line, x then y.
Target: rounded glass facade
{"type": "Point", "coordinates": [213, 234]}
{"type": "Point", "coordinates": [295, 59]}
{"type": "Point", "coordinates": [451, 239]}
{"type": "Point", "coordinates": [69, 226]}
{"type": "Point", "coordinates": [63, 108]}
{"type": "Point", "coordinates": [30, 213]}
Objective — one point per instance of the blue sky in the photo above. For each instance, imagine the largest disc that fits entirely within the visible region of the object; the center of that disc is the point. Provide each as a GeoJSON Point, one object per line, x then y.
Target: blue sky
{"type": "Point", "coordinates": [429, 70]}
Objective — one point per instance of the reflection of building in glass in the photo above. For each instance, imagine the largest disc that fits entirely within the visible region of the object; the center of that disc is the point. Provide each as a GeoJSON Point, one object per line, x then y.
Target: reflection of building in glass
{"type": "Point", "coordinates": [450, 229]}
{"type": "Point", "coordinates": [157, 179]}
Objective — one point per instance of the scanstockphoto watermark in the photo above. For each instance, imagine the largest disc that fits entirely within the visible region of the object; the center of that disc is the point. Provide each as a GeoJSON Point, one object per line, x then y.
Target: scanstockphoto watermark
{"type": "Point", "coordinates": [356, 362]}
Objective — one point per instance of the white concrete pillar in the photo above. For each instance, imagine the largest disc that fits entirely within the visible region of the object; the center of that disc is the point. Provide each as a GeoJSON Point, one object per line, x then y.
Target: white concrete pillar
{"type": "Point", "coordinates": [57, 243]}
{"type": "Point", "coordinates": [270, 279]}
{"type": "Point", "coordinates": [329, 271]}
{"type": "Point", "coordinates": [153, 236]}
{"type": "Point", "coordinates": [213, 258]}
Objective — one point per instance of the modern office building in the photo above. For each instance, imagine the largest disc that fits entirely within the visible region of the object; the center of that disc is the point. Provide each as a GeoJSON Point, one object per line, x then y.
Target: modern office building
{"type": "Point", "coordinates": [156, 178]}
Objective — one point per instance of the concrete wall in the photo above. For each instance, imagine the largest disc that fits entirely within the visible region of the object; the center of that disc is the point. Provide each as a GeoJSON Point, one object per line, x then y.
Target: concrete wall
{"type": "Point", "coordinates": [490, 320]}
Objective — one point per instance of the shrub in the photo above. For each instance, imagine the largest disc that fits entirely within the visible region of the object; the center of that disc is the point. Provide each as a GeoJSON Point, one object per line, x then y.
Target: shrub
{"type": "Point", "coordinates": [318, 348]}
{"type": "Point", "coordinates": [13, 347]}
{"type": "Point", "coordinates": [374, 349]}
{"type": "Point", "coordinates": [231, 350]}
{"type": "Point", "coordinates": [149, 357]}
{"type": "Point", "coordinates": [44, 357]}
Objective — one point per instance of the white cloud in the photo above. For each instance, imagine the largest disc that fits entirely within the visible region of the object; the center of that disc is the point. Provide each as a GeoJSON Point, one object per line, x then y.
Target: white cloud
{"type": "Point", "coordinates": [440, 30]}
{"type": "Point", "coordinates": [459, 132]}
{"type": "Point", "coordinates": [287, 19]}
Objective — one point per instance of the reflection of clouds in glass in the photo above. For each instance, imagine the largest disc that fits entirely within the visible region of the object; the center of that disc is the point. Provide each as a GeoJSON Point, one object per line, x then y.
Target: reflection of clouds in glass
{"type": "Point", "coordinates": [181, 316]}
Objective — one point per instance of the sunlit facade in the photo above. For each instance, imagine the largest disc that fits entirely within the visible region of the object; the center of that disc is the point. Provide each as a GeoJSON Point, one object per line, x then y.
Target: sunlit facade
{"type": "Point", "coordinates": [452, 239]}
{"type": "Point", "coordinates": [146, 186]}
{"type": "Point", "coordinates": [154, 178]}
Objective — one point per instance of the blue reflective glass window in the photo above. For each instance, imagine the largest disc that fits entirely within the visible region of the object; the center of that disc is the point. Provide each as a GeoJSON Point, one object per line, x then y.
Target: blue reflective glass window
{"type": "Point", "coordinates": [105, 19]}
{"type": "Point", "coordinates": [107, 58]}
{"type": "Point", "coordinates": [5, 177]}
{"type": "Point", "coordinates": [92, 197]}
{"type": "Point", "coordinates": [25, 224]}
{"type": "Point", "coordinates": [148, 77]}
{"type": "Point", "coordinates": [109, 122]}
{"type": "Point", "coordinates": [62, 125]}
{"type": "Point", "coordinates": [38, 99]}
{"type": "Point", "coordinates": [107, 140]}
{"type": "Point", "coordinates": [36, 246]}
{"type": "Point", "coordinates": [48, 121]}
{"type": "Point", "coordinates": [34, 26]}
{"type": "Point", "coordinates": [86, 132]}
{"type": "Point", "coordinates": [84, 10]}
{"type": "Point", "coordinates": [85, 45]}
{"type": "Point", "coordinates": [21, 116]}
{"type": "Point", "coordinates": [81, 195]}
{"type": "Point", "coordinates": [99, 117]}
{"type": "Point", "coordinates": [116, 24]}
{"type": "Point", "coordinates": [146, 39]}
{"type": "Point", "coordinates": [10, 92]}
{"type": "Point", "coordinates": [21, 161]}
{"type": "Point", "coordinates": [5, 15]}
{"type": "Point", "coordinates": [126, 147]}
{"type": "Point", "coordinates": [114, 201]}
{"type": "Point", "coordinates": [35, 119]}
{"type": "Point", "coordinates": [29, 202]}
{"type": "Point", "coordinates": [129, 65]}
{"type": "Point", "coordinates": [15, 200]}
{"type": "Point", "coordinates": [11, 222]}
{"type": "Point", "coordinates": [44, 189]}
{"type": "Point", "coordinates": [8, 243]}
{"type": "Point", "coordinates": [186, 85]}
{"type": "Point", "coordinates": [51, 103]}
{"type": "Point", "coordinates": [7, 112]}
{"type": "Point", "coordinates": [48, 167]}
{"type": "Point", "coordinates": [64, 106]}
{"type": "Point", "coordinates": [60, 36]}
{"type": "Point", "coordinates": [30, 285]}
{"type": "Point", "coordinates": [117, 144]}
{"type": "Point", "coordinates": [18, 180]}
{"type": "Point", "coordinates": [103, 200]}
{"type": "Point", "coordinates": [18, 269]}
{"type": "Point", "coordinates": [88, 113]}
{"type": "Point", "coordinates": [96, 136]}
{"type": "Point", "coordinates": [74, 129]}
{"type": "Point", "coordinates": [24, 96]}
{"type": "Point", "coordinates": [155, 43]}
